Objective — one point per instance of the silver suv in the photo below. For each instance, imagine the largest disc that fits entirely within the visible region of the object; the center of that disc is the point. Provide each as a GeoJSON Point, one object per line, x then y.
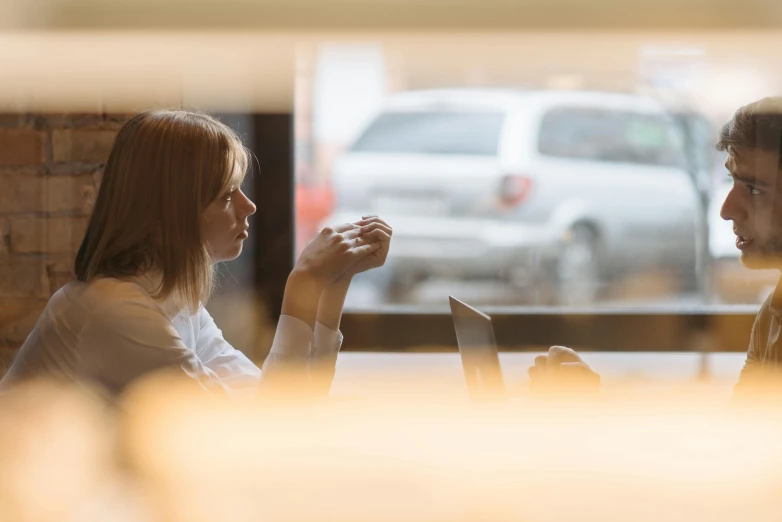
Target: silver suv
{"type": "Point", "coordinates": [557, 192]}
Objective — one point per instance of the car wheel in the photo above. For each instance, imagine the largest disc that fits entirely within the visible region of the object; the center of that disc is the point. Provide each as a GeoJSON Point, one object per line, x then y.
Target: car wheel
{"type": "Point", "coordinates": [578, 270]}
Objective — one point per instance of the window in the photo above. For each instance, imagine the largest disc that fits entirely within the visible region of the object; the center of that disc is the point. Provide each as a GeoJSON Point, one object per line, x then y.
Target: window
{"type": "Point", "coordinates": [469, 133]}
{"type": "Point", "coordinates": [441, 145]}
{"type": "Point", "coordinates": [612, 136]}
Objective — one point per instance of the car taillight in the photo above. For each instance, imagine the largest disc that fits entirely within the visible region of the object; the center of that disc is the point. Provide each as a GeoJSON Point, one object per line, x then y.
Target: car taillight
{"type": "Point", "coordinates": [514, 190]}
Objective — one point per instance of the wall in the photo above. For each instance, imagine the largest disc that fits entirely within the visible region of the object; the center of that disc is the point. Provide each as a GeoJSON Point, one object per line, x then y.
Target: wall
{"type": "Point", "coordinates": [49, 166]}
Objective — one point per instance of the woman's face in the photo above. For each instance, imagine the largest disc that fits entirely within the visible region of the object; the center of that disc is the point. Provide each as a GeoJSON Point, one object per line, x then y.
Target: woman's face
{"type": "Point", "coordinates": [224, 225]}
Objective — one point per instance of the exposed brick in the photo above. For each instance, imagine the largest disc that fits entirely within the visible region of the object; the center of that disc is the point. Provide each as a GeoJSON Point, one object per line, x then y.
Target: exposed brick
{"type": "Point", "coordinates": [60, 269]}
{"type": "Point", "coordinates": [7, 354]}
{"type": "Point", "coordinates": [8, 345]}
{"type": "Point", "coordinates": [73, 169]}
{"type": "Point", "coordinates": [16, 120]}
{"type": "Point", "coordinates": [21, 147]}
{"type": "Point", "coordinates": [59, 279]}
{"type": "Point", "coordinates": [70, 193]}
{"type": "Point", "coordinates": [97, 177]}
{"type": "Point", "coordinates": [5, 231]}
{"type": "Point", "coordinates": [23, 278]}
{"type": "Point", "coordinates": [62, 263]}
{"type": "Point", "coordinates": [28, 170]}
{"type": "Point", "coordinates": [70, 120]}
{"type": "Point", "coordinates": [69, 233]}
{"type": "Point", "coordinates": [28, 235]}
{"type": "Point", "coordinates": [32, 235]}
{"type": "Point", "coordinates": [88, 193]}
{"type": "Point", "coordinates": [82, 146]}
{"type": "Point", "coordinates": [116, 120]}
{"type": "Point", "coordinates": [18, 317]}
{"type": "Point", "coordinates": [22, 194]}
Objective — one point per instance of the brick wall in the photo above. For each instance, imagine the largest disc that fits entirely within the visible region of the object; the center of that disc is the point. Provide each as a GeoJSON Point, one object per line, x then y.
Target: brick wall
{"type": "Point", "coordinates": [49, 167]}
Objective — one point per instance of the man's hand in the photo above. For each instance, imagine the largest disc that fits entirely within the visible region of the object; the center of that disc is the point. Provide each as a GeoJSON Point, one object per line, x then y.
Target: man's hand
{"type": "Point", "coordinates": [562, 370]}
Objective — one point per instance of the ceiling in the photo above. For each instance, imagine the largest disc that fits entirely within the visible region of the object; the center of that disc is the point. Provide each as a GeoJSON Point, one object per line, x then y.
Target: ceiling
{"type": "Point", "coordinates": [241, 54]}
{"type": "Point", "coordinates": [390, 14]}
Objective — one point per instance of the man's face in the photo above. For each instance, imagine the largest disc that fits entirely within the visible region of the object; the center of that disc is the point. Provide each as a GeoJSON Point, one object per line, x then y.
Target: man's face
{"type": "Point", "coordinates": [754, 204]}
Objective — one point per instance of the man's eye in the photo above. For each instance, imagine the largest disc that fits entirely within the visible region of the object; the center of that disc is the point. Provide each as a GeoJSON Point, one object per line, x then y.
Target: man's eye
{"type": "Point", "coordinates": [754, 190]}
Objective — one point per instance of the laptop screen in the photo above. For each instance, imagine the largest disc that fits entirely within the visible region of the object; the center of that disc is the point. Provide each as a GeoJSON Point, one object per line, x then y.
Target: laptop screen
{"type": "Point", "coordinates": [478, 350]}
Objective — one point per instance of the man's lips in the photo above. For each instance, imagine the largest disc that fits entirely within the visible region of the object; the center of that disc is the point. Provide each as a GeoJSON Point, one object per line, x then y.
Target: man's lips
{"type": "Point", "coordinates": [743, 242]}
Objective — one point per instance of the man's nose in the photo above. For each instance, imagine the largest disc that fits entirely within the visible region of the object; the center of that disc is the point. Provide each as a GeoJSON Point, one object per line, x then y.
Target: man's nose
{"type": "Point", "coordinates": [733, 208]}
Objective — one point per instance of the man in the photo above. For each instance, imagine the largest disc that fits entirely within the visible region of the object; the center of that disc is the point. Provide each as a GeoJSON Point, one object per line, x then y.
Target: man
{"type": "Point", "coordinates": [753, 141]}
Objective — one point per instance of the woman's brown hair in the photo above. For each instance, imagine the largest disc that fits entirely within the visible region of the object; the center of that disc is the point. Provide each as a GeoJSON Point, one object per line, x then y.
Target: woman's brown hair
{"type": "Point", "coordinates": [164, 169]}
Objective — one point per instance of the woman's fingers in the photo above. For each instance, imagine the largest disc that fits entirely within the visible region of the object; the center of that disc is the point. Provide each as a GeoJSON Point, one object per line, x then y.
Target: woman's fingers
{"type": "Point", "coordinates": [363, 227]}
{"type": "Point", "coordinates": [352, 233]}
{"type": "Point", "coordinates": [345, 227]}
{"type": "Point", "coordinates": [372, 219]}
{"type": "Point", "coordinates": [376, 235]}
{"type": "Point", "coordinates": [366, 229]}
{"type": "Point", "coordinates": [364, 250]}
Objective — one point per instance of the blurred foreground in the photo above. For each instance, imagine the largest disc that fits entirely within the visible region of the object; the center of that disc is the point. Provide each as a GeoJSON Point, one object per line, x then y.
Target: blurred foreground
{"type": "Point", "coordinates": [168, 452]}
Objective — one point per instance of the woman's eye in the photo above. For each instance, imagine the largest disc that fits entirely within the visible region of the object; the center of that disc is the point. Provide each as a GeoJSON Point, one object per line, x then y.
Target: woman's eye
{"type": "Point", "coordinates": [754, 190]}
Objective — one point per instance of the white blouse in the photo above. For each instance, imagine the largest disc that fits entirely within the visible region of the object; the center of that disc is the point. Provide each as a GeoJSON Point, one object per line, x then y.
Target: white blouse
{"type": "Point", "coordinates": [112, 331]}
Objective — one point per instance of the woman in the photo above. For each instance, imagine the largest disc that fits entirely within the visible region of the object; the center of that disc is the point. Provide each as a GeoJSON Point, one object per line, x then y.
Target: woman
{"type": "Point", "coordinates": [170, 206]}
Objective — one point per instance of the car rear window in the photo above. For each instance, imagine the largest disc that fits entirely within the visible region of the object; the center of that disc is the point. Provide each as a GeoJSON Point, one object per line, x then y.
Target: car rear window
{"type": "Point", "coordinates": [612, 136]}
{"type": "Point", "coordinates": [470, 133]}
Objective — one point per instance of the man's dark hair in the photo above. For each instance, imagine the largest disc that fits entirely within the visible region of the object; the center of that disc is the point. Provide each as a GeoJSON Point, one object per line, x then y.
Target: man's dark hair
{"type": "Point", "coordinates": [757, 125]}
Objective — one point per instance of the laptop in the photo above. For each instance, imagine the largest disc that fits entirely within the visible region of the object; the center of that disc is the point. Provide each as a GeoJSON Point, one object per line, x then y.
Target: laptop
{"type": "Point", "coordinates": [478, 350]}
